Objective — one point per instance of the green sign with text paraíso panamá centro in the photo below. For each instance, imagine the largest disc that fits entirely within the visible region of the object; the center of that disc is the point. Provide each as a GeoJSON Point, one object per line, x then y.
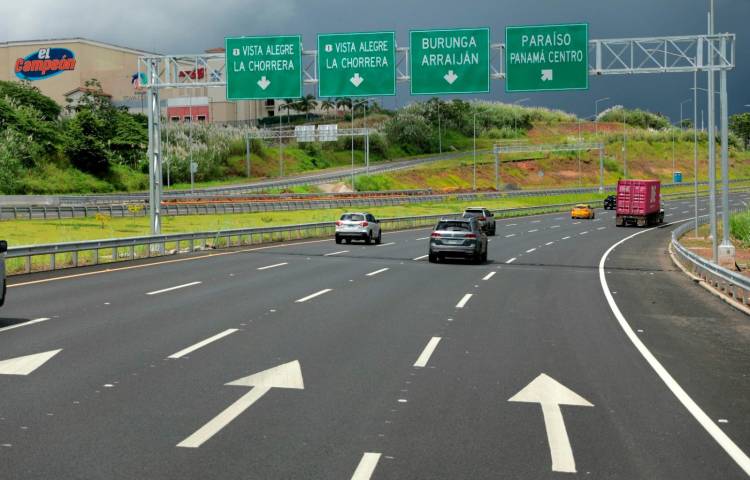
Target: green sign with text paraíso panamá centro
{"type": "Point", "coordinates": [547, 57]}
{"type": "Point", "coordinates": [450, 61]}
{"type": "Point", "coordinates": [261, 68]}
{"type": "Point", "coordinates": [356, 64]}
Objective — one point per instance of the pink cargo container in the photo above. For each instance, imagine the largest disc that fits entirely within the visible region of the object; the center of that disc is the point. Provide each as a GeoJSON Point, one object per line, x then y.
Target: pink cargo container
{"type": "Point", "coordinates": [639, 203]}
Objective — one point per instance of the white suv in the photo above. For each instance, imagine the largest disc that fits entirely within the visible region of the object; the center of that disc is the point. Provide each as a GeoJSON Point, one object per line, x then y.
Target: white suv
{"type": "Point", "coordinates": [358, 226]}
{"type": "Point", "coordinates": [3, 287]}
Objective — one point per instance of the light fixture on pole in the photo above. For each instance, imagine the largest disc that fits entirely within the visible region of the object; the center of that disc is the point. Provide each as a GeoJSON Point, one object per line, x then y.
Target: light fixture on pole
{"type": "Point", "coordinates": [596, 114]}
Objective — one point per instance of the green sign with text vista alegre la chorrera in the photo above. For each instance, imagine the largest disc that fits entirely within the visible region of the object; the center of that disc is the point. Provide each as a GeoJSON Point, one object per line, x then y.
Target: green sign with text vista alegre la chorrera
{"type": "Point", "coordinates": [260, 68]}
{"type": "Point", "coordinates": [547, 57]}
{"type": "Point", "coordinates": [450, 61]}
{"type": "Point", "coordinates": [356, 64]}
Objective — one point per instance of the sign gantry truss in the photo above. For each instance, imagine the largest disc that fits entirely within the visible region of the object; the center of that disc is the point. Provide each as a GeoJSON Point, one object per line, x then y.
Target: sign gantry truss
{"type": "Point", "coordinates": [676, 54]}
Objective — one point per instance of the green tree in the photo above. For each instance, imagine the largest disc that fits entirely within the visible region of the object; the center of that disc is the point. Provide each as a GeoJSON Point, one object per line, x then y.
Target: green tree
{"type": "Point", "coordinates": [739, 124]}
{"type": "Point", "coordinates": [25, 94]}
{"type": "Point", "coordinates": [327, 105]}
{"type": "Point", "coordinates": [307, 104]}
{"type": "Point", "coordinates": [84, 146]}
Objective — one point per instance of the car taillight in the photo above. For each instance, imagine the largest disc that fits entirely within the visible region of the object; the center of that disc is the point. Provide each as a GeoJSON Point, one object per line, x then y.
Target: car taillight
{"type": "Point", "coordinates": [482, 219]}
{"type": "Point", "coordinates": [435, 235]}
{"type": "Point", "coordinates": [470, 235]}
{"type": "Point", "coordinates": [338, 223]}
{"type": "Point", "coordinates": [363, 224]}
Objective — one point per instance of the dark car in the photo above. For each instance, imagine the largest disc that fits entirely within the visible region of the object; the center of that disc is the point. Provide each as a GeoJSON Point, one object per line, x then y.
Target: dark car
{"type": "Point", "coordinates": [485, 217]}
{"type": "Point", "coordinates": [458, 237]}
{"type": "Point", "coordinates": [610, 203]}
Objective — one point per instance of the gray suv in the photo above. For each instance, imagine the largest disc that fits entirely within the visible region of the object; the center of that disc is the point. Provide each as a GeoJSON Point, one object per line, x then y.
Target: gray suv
{"type": "Point", "coordinates": [3, 287]}
{"type": "Point", "coordinates": [485, 217]}
{"type": "Point", "coordinates": [458, 237]}
{"type": "Point", "coordinates": [358, 226]}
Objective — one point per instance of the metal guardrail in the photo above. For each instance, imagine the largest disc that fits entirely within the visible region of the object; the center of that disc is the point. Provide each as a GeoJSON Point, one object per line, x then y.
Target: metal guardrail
{"type": "Point", "coordinates": [732, 283]}
{"type": "Point", "coordinates": [93, 252]}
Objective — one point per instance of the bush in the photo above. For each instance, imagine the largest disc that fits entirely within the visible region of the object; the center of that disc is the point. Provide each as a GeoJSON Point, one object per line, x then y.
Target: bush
{"type": "Point", "coordinates": [739, 226]}
{"type": "Point", "coordinates": [411, 132]}
{"type": "Point", "coordinates": [636, 118]}
{"type": "Point", "coordinates": [612, 165]}
{"type": "Point", "coordinates": [372, 183]}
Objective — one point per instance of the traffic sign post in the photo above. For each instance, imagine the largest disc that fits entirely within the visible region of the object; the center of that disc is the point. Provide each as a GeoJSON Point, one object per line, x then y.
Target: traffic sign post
{"type": "Point", "coordinates": [264, 68]}
{"type": "Point", "coordinates": [356, 64]}
{"type": "Point", "coordinates": [547, 57]}
{"type": "Point", "coordinates": [450, 61]}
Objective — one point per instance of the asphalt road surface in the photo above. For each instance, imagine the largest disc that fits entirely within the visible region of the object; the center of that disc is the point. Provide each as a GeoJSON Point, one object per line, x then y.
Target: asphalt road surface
{"type": "Point", "coordinates": [373, 363]}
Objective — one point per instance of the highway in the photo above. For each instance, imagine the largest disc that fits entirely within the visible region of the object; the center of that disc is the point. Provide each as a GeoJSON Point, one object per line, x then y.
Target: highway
{"type": "Point", "coordinates": [547, 361]}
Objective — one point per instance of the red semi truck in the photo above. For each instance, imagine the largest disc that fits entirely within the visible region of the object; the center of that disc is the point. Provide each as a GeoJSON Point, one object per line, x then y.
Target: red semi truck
{"type": "Point", "coordinates": [639, 203]}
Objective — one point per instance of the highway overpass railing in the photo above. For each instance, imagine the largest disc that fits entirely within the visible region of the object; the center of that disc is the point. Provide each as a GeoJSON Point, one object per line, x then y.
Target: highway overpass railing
{"type": "Point", "coordinates": [732, 283]}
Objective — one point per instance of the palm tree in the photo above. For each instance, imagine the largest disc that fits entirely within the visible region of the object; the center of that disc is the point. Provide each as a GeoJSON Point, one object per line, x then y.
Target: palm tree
{"type": "Point", "coordinates": [344, 103]}
{"type": "Point", "coordinates": [327, 105]}
{"type": "Point", "coordinates": [307, 103]}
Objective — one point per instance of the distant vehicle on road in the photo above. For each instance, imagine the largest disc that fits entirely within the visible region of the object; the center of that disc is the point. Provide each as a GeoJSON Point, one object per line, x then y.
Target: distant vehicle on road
{"type": "Point", "coordinates": [4, 288]}
{"type": "Point", "coordinates": [582, 211]}
{"type": "Point", "coordinates": [459, 237]}
{"type": "Point", "coordinates": [358, 226]}
{"type": "Point", "coordinates": [485, 217]}
{"type": "Point", "coordinates": [639, 203]}
{"type": "Point", "coordinates": [610, 203]}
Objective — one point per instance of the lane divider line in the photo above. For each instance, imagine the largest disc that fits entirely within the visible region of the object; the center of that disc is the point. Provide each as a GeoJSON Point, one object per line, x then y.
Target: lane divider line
{"type": "Point", "coordinates": [421, 258]}
{"type": "Point", "coordinates": [366, 466]}
{"type": "Point", "coordinates": [565, 238]}
{"type": "Point", "coordinates": [203, 343]}
{"type": "Point", "coordinates": [548, 244]}
{"type": "Point", "coordinates": [386, 244]}
{"type": "Point", "coordinates": [511, 235]}
{"type": "Point", "coordinates": [165, 290]}
{"type": "Point", "coordinates": [530, 250]}
{"type": "Point", "coordinates": [584, 233]}
{"type": "Point", "coordinates": [461, 303]}
{"type": "Point", "coordinates": [24, 324]}
{"type": "Point", "coordinates": [423, 238]}
{"type": "Point", "coordinates": [371, 274]}
{"type": "Point", "coordinates": [511, 260]}
{"type": "Point", "coordinates": [489, 275]}
{"type": "Point", "coordinates": [533, 230]}
{"type": "Point", "coordinates": [740, 457]}
{"type": "Point", "coordinates": [555, 226]}
{"type": "Point", "coordinates": [336, 253]}
{"type": "Point", "coordinates": [316, 294]}
{"type": "Point", "coordinates": [424, 357]}
{"type": "Point", "coordinates": [273, 266]}
{"type": "Point", "coordinates": [601, 228]}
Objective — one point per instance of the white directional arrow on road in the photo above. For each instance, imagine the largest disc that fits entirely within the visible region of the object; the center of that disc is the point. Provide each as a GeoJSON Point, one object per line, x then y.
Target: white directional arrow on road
{"type": "Point", "coordinates": [26, 364]}
{"type": "Point", "coordinates": [356, 80]}
{"type": "Point", "coordinates": [263, 83]}
{"type": "Point", "coordinates": [551, 394]}
{"type": "Point", "coordinates": [450, 77]}
{"type": "Point", "coordinates": [546, 75]}
{"type": "Point", "coordinates": [288, 375]}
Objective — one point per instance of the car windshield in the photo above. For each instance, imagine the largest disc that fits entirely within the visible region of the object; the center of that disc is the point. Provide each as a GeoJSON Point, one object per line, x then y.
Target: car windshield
{"type": "Point", "coordinates": [473, 213]}
{"type": "Point", "coordinates": [352, 217]}
{"type": "Point", "coordinates": [454, 226]}
{"type": "Point", "coordinates": [582, 206]}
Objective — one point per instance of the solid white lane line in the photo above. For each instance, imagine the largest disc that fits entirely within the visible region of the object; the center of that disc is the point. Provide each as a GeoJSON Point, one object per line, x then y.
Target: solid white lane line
{"type": "Point", "coordinates": [203, 343]}
{"type": "Point", "coordinates": [549, 243]}
{"type": "Point", "coordinates": [511, 235]}
{"type": "Point", "coordinates": [534, 230]}
{"type": "Point", "coordinates": [377, 271]}
{"type": "Point", "coordinates": [704, 420]}
{"type": "Point", "coordinates": [316, 294]}
{"type": "Point", "coordinates": [25, 324]}
{"type": "Point", "coordinates": [336, 253]}
{"type": "Point", "coordinates": [386, 244]}
{"type": "Point", "coordinates": [423, 238]}
{"type": "Point", "coordinates": [511, 260]}
{"type": "Point", "coordinates": [273, 266]}
{"type": "Point", "coordinates": [565, 238]}
{"type": "Point", "coordinates": [601, 228]}
{"type": "Point", "coordinates": [366, 466]}
{"type": "Point", "coordinates": [464, 300]}
{"type": "Point", "coordinates": [174, 288]}
{"type": "Point", "coordinates": [421, 258]}
{"type": "Point", "coordinates": [489, 275]}
{"type": "Point", "coordinates": [530, 250]}
{"type": "Point", "coordinates": [427, 352]}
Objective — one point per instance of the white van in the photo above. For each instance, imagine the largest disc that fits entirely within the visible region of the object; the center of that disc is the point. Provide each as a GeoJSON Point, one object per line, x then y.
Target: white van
{"type": "Point", "coordinates": [3, 249]}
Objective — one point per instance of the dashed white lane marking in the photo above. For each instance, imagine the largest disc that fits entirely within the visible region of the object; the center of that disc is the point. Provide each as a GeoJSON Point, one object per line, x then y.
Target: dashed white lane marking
{"type": "Point", "coordinates": [371, 274]}
{"type": "Point", "coordinates": [316, 294]}
{"type": "Point", "coordinates": [203, 343]}
{"type": "Point", "coordinates": [421, 258]}
{"type": "Point", "coordinates": [668, 215]}
{"type": "Point", "coordinates": [673, 208]}
{"type": "Point", "coordinates": [366, 466]}
{"type": "Point", "coordinates": [511, 235]}
{"type": "Point", "coordinates": [530, 250]}
{"type": "Point", "coordinates": [511, 260]}
{"type": "Point", "coordinates": [534, 230]}
{"type": "Point", "coordinates": [583, 233]}
{"type": "Point", "coordinates": [565, 238]}
{"type": "Point", "coordinates": [702, 209]}
{"type": "Point", "coordinates": [273, 266]}
{"type": "Point", "coordinates": [461, 303]}
{"type": "Point", "coordinates": [174, 288]}
{"type": "Point", "coordinates": [685, 212]}
{"type": "Point", "coordinates": [536, 221]}
{"type": "Point", "coordinates": [424, 357]}
{"type": "Point", "coordinates": [25, 324]}
{"type": "Point", "coordinates": [336, 253]}
{"type": "Point", "coordinates": [704, 420]}
{"type": "Point", "coordinates": [555, 226]}
{"type": "Point", "coordinates": [559, 218]}
{"type": "Point", "coordinates": [423, 238]}
{"type": "Point", "coordinates": [576, 223]}
{"type": "Point", "coordinates": [601, 228]}
{"type": "Point", "coordinates": [386, 244]}
{"type": "Point", "coordinates": [511, 224]}
{"type": "Point", "coordinates": [548, 244]}
{"type": "Point", "coordinates": [489, 275]}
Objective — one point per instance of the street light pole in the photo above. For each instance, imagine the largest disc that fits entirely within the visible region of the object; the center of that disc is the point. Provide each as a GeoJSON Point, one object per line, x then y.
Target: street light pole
{"type": "Point", "coordinates": [695, 146]}
{"type": "Point", "coordinates": [712, 145]}
{"type": "Point", "coordinates": [624, 145]}
{"type": "Point", "coordinates": [474, 184]}
{"type": "Point", "coordinates": [596, 115]}
{"type": "Point", "coordinates": [727, 254]}
{"type": "Point", "coordinates": [440, 133]}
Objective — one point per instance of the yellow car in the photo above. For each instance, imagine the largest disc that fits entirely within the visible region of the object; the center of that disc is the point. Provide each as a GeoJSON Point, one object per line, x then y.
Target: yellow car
{"type": "Point", "coordinates": [582, 211]}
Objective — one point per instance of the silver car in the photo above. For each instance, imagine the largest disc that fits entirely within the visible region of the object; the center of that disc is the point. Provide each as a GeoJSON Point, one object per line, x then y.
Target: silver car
{"type": "Point", "coordinates": [358, 226]}
{"type": "Point", "coordinates": [485, 216]}
{"type": "Point", "coordinates": [458, 237]}
{"type": "Point", "coordinates": [3, 286]}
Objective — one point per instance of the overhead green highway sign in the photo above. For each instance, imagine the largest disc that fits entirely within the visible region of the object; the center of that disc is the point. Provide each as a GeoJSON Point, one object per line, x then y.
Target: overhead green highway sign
{"type": "Point", "coordinates": [356, 64]}
{"type": "Point", "coordinates": [547, 57]}
{"type": "Point", "coordinates": [450, 61]}
{"type": "Point", "coordinates": [260, 68]}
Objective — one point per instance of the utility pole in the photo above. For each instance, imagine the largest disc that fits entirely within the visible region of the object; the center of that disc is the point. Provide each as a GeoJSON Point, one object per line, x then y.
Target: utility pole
{"type": "Point", "coordinates": [440, 133]}
{"type": "Point", "coordinates": [712, 143]}
{"type": "Point", "coordinates": [695, 146]}
{"type": "Point", "coordinates": [727, 250]}
{"type": "Point", "coordinates": [624, 145]}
